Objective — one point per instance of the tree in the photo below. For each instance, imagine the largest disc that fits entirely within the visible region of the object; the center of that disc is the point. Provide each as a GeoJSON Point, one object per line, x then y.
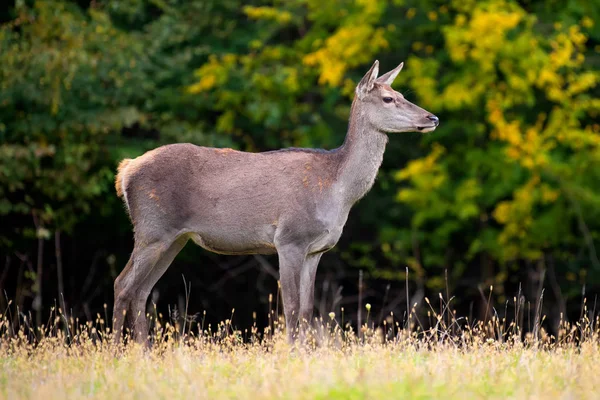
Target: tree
{"type": "Point", "coordinates": [505, 179]}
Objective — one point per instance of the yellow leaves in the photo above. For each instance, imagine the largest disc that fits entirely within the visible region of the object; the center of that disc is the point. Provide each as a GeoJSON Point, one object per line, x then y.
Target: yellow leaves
{"type": "Point", "coordinates": [587, 22]}
{"type": "Point", "coordinates": [332, 71]}
{"type": "Point", "coordinates": [502, 212]}
{"type": "Point", "coordinates": [484, 22]}
{"type": "Point", "coordinates": [371, 7]}
{"type": "Point", "coordinates": [495, 116]}
{"type": "Point", "coordinates": [518, 83]}
{"type": "Point", "coordinates": [226, 122]}
{"type": "Point", "coordinates": [562, 82]}
{"type": "Point", "coordinates": [548, 194]}
{"type": "Point", "coordinates": [464, 5]}
{"type": "Point", "coordinates": [255, 44]}
{"type": "Point", "coordinates": [348, 87]}
{"type": "Point", "coordinates": [291, 79]}
{"type": "Point", "coordinates": [422, 166]}
{"type": "Point", "coordinates": [348, 47]}
{"type": "Point", "coordinates": [548, 77]}
{"type": "Point", "coordinates": [207, 82]}
{"type": "Point", "coordinates": [482, 36]}
{"type": "Point", "coordinates": [563, 49]}
{"type": "Point", "coordinates": [422, 74]}
{"type": "Point", "coordinates": [577, 37]}
{"type": "Point", "coordinates": [500, 58]}
{"type": "Point", "coordinates": [267, 13]}
{"type": "Point", "coordinates": [460, 94]}
{"type": "Point", "coordinates": [516, 215]}
{"type": "Point", "coordinates": [530, 148]}
{"type": "Point", "coordinates": [582, 82]}
{"type": "Point", "coordinates": [494, 54]}
{"type": "Point", "coordinates": [434, 195]}
{"type": "Point", "coordinates": [567, 53]}
{"type": "Point", "coordinates": [355, 42]}
{"type": "Point", "coordinates": [510, 132]}
{"type": "Point", "coordinates": [213, 73]}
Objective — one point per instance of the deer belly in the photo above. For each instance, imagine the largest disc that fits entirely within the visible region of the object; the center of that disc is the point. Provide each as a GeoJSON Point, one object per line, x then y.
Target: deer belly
{"type": "Point", "coordinates": [234, 243]}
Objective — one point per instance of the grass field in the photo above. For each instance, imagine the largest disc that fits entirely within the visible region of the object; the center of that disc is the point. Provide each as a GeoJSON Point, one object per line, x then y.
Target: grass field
{"type": "Point", "coordinates": [469, 364]}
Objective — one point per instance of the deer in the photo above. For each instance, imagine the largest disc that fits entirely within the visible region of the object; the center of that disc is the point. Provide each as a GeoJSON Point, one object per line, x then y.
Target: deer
{"type": "Point", "coordinates": [292, 202]}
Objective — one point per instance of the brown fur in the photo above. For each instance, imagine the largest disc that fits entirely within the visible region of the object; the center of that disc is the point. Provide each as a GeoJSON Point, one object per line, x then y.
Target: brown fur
{"type": "Point", "coordinates": [129, 167]}
{"type": "Point", "coordinates": [119, 178]}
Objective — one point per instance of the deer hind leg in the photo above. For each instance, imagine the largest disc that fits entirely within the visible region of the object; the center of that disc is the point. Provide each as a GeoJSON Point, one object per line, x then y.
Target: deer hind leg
{"type": "Point", "coordinates": [130, 280]}
{"type": "Point", "coordinates": [121, 303]}
{"type": "Point", "coordinates": [138, 304]}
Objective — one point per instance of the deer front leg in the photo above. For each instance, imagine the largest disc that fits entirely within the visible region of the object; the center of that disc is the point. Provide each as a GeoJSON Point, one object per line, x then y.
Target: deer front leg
{"type": "Point", "coordinates": [307, 289]}
{"type": "Point", "coordinates": [291, 260]}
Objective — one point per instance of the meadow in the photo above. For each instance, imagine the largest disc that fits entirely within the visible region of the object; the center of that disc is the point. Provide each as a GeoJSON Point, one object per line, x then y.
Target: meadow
{"type": "Point", "coordinates": [505, 192]}
{"type": "Point", "coordinates": [451, 360]}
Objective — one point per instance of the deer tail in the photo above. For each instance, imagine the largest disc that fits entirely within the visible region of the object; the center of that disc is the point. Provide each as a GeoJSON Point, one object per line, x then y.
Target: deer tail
{"type": "Point", "coordinates": [119, 179]}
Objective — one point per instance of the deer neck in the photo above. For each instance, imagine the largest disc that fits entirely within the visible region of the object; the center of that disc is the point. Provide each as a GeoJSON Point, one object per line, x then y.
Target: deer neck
{"type": "Point", "coordinates": [360, 156]}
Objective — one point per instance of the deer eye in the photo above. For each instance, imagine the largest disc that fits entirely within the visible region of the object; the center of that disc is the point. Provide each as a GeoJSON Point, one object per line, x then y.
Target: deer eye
{"type": "Point", "coordinates": [388, 99]}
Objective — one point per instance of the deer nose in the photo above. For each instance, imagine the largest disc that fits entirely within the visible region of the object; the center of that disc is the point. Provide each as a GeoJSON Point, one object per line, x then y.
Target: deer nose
{"type": "Point", "coordinates": [434, 119]}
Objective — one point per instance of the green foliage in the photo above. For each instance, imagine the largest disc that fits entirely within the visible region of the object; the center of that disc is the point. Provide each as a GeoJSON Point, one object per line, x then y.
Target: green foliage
{"type": "Point", "coordinates": [512, 166]}
{"type": "Point", "coordinates": [72, 83]}
{"type": "Point", "coordinates": [517, 164]}
{"type": "Point", "coordinates": [510, 178]}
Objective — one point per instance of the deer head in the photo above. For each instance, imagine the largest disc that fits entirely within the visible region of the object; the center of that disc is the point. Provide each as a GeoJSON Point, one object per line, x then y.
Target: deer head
{"type": "Point", "coordinates": [387, 110]}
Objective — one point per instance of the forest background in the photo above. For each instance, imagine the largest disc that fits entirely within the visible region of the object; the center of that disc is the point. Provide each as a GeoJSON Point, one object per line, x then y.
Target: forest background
{"type": "Point", "coordinates": [505, 193]}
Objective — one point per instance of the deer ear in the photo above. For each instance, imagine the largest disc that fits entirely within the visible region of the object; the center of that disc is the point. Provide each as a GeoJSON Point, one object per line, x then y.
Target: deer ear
{"type": "Point", "coordinates": [367, 83]}
{"type": "Point", "coordinates": [388, 78]}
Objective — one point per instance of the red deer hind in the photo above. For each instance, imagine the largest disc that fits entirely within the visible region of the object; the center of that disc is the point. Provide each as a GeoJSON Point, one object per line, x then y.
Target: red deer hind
{"type": "Point", "coordinates": [293, 202]}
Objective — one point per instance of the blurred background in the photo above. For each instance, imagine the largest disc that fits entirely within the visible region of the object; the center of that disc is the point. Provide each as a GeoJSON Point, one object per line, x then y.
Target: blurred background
{"type": "Point", "coordinates": [505, 193]}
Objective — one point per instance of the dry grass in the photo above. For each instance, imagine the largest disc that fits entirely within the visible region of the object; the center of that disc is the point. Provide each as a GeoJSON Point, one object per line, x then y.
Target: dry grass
{"type": "Point", "coordinates": [451, 361]}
